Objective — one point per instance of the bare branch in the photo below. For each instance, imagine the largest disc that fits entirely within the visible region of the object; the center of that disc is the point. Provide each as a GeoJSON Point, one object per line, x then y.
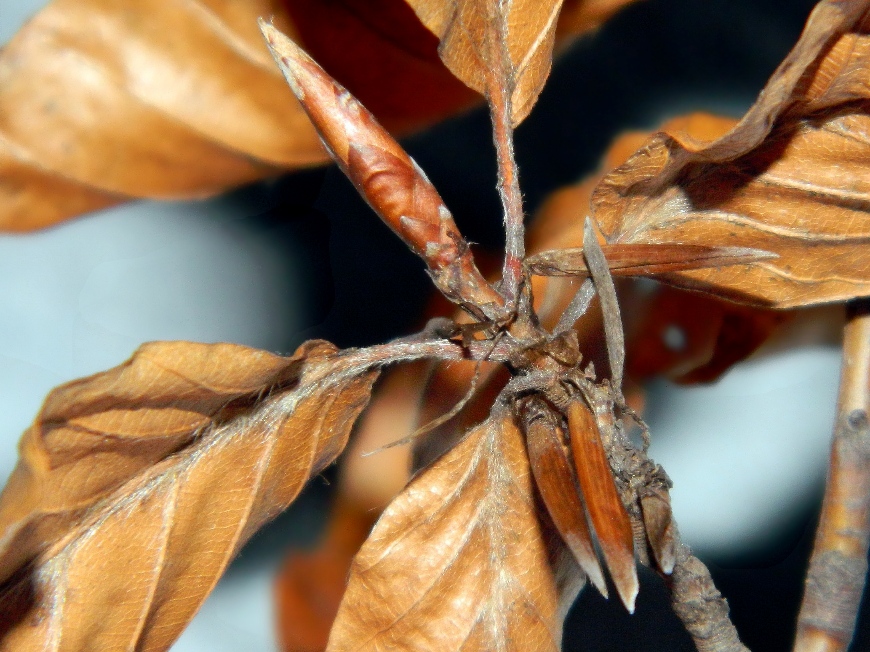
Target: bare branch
{"type": "Point", "coordinates": [838, 566]}
{"type": "Point", "coordinates": [699, 605]}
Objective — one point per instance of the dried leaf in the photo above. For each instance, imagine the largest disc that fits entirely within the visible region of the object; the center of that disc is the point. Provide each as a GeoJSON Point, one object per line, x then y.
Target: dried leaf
{"type": "Point", "coordinates": [209, 108]}
{"type": "Point", "coordinates": [790, 178]}
{"type": "Point", "coordinates": [713, 334]}
{"type": "Point", "coordinates": [138, 486]}
{"type": "Point", "coordinates": [693, 338]}
{"type": "Point", "coordinates": [642, 259]}
{"type": "Point", "coordinates": [460, 560]}
{"type": "Point", "coordinates": [606, 511]}
{"type": "Point", "coordinates": [475, 34]}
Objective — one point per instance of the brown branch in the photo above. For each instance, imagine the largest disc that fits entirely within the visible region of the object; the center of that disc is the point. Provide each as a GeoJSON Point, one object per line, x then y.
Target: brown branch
{"type": "Point", "coordinates": [838, 566]}
{"type": "Point", "coordinates": [699, 605]}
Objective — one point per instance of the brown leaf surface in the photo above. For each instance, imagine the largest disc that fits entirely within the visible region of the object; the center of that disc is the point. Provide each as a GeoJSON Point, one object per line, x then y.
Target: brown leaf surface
{"type": "Point", "coordinates": [715, 334]}
{"type": "Point", "coordinates": [471, 49]}
{"type": "Point", "coordinates": [791, 178]}
{"type": "Point", "coordinates": [166, 99]}
{"type": "Point", "coordinates": [102, 102]}
{"type": "Point", "coordinates": [460, 559]}
{"type": "Point", "coordinates": [137, 486]}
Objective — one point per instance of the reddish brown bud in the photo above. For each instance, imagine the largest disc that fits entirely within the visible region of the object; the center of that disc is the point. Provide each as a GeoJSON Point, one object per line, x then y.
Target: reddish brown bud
{"type": "Point", "coordinates": [606, 511]}
{"type": "Point", "coordinates": [558, 487]}
{"type": "Point", "coordinates": [385, 175]}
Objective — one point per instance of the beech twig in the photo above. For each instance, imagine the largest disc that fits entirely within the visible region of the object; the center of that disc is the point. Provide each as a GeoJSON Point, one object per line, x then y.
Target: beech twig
{"type": "Point", "coordinates": [699, 605]}
{"type": "Point", "coordinates": [838, 566]}
{"type": "Point", "coordinates": [508, 186]}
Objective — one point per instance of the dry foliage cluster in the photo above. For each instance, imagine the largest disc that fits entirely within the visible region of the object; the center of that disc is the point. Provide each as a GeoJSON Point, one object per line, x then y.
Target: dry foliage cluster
{"type": "Point", "coordinates": [137, 486]}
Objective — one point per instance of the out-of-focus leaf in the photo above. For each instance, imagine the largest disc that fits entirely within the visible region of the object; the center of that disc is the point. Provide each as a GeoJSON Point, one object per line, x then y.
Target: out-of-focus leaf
{"type": "Point", "coordinates": [103, 102]}
{"type": "Point", "coordinates": [692, 338]}
{"type": "Point", "coordinates": [461, 560]}
{"type": "Point", "coordinates": [793, 178]}
{"type": "Point", "coordinates": [137, 486]}
{"type": "Point", "coordinates": [471, 41]}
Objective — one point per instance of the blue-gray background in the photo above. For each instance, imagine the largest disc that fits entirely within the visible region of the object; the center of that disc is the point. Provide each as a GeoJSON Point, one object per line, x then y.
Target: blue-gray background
{"type": "Point", "coordinates": [302, 257]}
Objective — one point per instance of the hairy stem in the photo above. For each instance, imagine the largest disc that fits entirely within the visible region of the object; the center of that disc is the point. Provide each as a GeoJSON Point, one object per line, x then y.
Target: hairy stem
{"type": "Point", "coordinates": [838, 566]}
{"type": "Point", "coordinates": [511, 197]}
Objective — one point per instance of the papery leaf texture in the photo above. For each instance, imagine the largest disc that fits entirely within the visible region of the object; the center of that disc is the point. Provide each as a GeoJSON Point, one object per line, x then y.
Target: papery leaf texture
{"type": "Point", "coordinates": [106, 101]}
{"type": "Point", "coordinates": [103, 102]}
{"type": "Point", "coordinates": [137, 486]}
{"type": "Point", "coordinates": [792, 178]}
{"type": "Point", "coordinates": [462, 559]}
{"type": "Point", "coordinates": [473, 33]}
{"type": "Point", "coordinates": [714, 334]}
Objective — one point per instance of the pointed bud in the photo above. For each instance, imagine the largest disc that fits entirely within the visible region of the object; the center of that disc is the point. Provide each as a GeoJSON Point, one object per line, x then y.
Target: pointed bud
{"type": "Point", "coordinates": [557, 485]}
{"type": "Point", "coordinates": [609, 519]}
{"type": "Point", "coordinates": [644, 259]}
{"type": "Point", "coordinates": [384, 174]}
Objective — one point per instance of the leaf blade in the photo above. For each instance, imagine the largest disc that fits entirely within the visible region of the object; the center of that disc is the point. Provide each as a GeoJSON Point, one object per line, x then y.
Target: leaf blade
{"type": "Point", "coordinates": [790, 178]}
{"type": "Point", "coordinates": [425, 575]}
{"type": "Point", "coordinates": [172, 526]}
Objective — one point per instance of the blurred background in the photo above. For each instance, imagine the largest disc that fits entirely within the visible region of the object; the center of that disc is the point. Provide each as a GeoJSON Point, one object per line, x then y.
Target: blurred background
{"type": "Point", "coordinates": [301, 256]}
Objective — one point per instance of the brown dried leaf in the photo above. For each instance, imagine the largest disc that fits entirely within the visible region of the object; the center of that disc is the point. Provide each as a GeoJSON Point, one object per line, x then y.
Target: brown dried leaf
{"type": "Point", "coordinates": [716, 333]}
{"type": "Point", "coordinates": [460, 560]}
{"type": "Point", "coordinates": [137, 486]}
{"type": "Point", "coordinates": [790, 178]}
{"type": "Point", "coordinates": [475, 33]}
{"type": "Point", "coordinates": [102, 102]}
{"type": "Point", "coordinates": [693, 338]}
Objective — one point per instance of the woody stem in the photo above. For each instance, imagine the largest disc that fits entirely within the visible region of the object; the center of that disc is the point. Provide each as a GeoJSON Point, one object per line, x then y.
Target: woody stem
{"type": "Point", "coordinates": [838, 566]}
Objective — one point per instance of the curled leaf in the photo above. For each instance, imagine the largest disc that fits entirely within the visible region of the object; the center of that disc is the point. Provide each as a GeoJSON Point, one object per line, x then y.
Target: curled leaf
{"type": "Point", "coordinates": [791, 178]}
{"type": "Point", "coordinates": [460, 559]}
{"type": "Point", "coordinates": [139, 485]}
{"type": "Point", "coordinates": [472, 33]}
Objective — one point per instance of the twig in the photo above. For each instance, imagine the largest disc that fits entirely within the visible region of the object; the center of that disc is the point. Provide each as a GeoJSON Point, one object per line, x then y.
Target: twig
{"type": "Point", "coordinates": [509, 191]}
{"type": "Point", "coordinates": [838, 566]}
{"type": "Point", "coordinates": [699, 605]}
